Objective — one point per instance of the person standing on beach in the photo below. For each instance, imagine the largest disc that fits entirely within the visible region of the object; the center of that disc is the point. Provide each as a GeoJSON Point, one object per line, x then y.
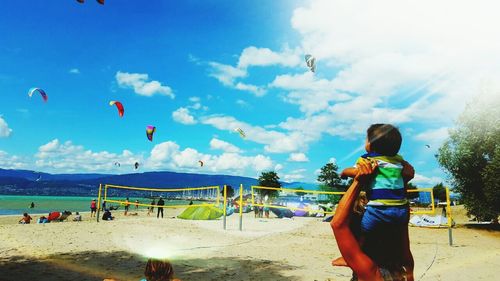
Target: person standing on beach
{"type": "Point", "coordinates": [160, 205]}
{"type": "Point", "coordinates": [127, 204]}
{"type": "Point", "coordinates": [93, 208]}
{"type": "Point", "coordinates": [152, 207]}
{"type": "Point", "coordinates": [136, 204]}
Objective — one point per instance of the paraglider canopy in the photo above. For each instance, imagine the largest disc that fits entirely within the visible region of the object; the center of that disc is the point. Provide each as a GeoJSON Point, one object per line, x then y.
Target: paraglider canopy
{"type": "Point", "coordinates": [150, 130]}
{"type": "Point", "coordinates": [241, 132]}
{"type": "Point", "coordinates": [311, 62]}
{"type": "Point", "coordinates": [42, 93]}
{"type": "Point", "coordinates": [119, 106]}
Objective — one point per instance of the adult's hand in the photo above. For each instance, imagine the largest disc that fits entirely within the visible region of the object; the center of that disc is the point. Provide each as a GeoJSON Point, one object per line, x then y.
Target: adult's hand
{"type": "Point", "coordinates": [366, 168]}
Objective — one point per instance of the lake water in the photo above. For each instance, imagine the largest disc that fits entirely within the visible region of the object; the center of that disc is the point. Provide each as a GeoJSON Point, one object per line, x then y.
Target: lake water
{"type": "Point", "coordinates": [17, 204]}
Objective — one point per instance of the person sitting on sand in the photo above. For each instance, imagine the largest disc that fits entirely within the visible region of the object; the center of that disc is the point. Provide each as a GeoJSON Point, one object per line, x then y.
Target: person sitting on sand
{"type": "Point", "coordinates": [376, 261]}
{"type": "Point", "coordinates": [77, 217]}
{"type": "Point", "coordinates": [43, 219]}
{"type": "Point", "coordinates": [26, 219]}
{"type": "Point", "coordinates": [107, 215]}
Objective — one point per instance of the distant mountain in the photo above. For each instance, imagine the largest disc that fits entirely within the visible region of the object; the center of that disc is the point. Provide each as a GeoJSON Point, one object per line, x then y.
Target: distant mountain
{"type": "Point", "coordinates": [24, 182]}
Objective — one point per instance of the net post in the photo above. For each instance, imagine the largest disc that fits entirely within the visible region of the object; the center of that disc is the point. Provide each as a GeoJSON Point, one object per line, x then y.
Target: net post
{"type": "Point", "coordinates": [448, 215]}
{"type": "Point", "coordinates": [241, 206]}
{"type": "Point", "coordinates": [225, 206]}
{"type": "Point", "coordinates": [99, 202]}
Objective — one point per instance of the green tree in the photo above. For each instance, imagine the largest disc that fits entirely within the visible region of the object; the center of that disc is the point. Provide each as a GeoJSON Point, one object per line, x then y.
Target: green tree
{"type": "Point", "coordinates": [269, 179]}
{"type": "Point", "coordinates": [300, 193]}
{"type": "Point", "coordinates": [439, 192]}
{"type": "Point", "coordinates": [329, 176]}
{"type": "Point", "coordinates": [230, 191]}
{"type": "Point", "coordinates": [331, 181]}
{"type": "Point", "coordinates": [471, 157]}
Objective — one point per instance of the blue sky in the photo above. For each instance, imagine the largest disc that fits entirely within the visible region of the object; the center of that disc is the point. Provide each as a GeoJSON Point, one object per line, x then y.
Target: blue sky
{"type": "Point", "coordinates": [197, 70]}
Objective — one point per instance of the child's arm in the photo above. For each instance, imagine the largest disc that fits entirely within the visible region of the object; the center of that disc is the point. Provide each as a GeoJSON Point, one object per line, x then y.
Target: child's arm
{"type": "Point", "coordinates": [349, 172]}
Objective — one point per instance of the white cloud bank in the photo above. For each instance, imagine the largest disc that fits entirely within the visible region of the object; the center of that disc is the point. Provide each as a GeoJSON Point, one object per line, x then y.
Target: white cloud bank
{"type": "Point", "coordinates": [183, 116]}
{"type": "Point", "coordinates": [5, 131]}
{"type": "Point", "coordinates": [139, 82]}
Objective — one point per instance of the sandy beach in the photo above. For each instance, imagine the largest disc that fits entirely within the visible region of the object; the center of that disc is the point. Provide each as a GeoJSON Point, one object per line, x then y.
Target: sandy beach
{"type": "Point", "coordinates": [266, 249]}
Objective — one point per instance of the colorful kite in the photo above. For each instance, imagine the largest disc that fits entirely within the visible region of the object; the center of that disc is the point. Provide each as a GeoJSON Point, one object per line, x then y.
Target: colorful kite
{"type": "Point", "coordinates": [99, 1]}
{"type": "Point", "coordinates": [42, 92]}
{"type": "Point", "coordinates": [240, 131]}
{"type": "Point", "coordinates": [311, 62]}
{"type": "Point", "coordinates": [119, 106]}
{"type": "Point", "coordinates": [150, 130]}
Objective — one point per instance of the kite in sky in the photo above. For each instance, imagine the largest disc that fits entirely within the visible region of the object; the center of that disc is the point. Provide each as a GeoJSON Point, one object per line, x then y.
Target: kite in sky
{"type": "Point", "coordinates": [311, 62]}
{"type": "Point", "coordinates": [240, 131]}
{"type": "Point", "coordinates": [42, 93]}
{"type": "Point", "coordinates": [428, 146]}
{"type": "Point", "coordinates": [99, 1]}
{"type": "Point", "coordinates": [117, 164]}
{"type": "Point", "coordinates": [150, 130]}
{"type": "Point", "coordinates": [119, 106]}
{"type": "Point", "coordinates": [201, 163]}
{"type": "Point", "coordinates": [136, 165]}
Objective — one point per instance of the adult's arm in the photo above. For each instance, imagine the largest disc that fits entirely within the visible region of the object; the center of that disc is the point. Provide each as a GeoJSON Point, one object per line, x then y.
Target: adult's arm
{"type": "Point", "coordinates": [360, 263]}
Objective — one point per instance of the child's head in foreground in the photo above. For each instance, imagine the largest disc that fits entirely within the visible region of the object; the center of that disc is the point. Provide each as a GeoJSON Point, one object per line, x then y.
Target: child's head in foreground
{"type": "Point", "coordinates": [158, 270]}
{"type": "Point", "coordinates": [384, 139]}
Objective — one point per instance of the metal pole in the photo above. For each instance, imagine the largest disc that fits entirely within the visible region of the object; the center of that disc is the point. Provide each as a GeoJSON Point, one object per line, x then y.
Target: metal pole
{"type": "Point", "coordinates": [241, 206]}
{"type": "Point", "coordinates": [99, 202]}
{"type": "Point", "coordinates": [448, 216]}
{"type": "Point", "coordinates": [225, 206]}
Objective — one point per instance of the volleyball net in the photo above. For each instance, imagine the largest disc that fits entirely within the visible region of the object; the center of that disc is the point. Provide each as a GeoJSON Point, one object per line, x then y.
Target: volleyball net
{"type": "Point", "coordinates": [301, 202]}
{"type": "Point", "coordinates": [115, 196]}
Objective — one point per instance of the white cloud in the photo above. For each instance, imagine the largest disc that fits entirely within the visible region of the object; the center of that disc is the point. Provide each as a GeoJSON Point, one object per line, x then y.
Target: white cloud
{"type": "Point", "coordinates": [433, 135]}
{"type": "Point", "coordinates": [139, 82]}
{"type": "Point", "coordinates": [295, 175]}
{"type": "Point", "coordinates": [421, 180]}
{"type": "Point", "coordinates": [74, 71]}
{"type": "Point", "coordinates": [298, 157]}
{"type": "Point", "coordinates": [274, 141]}
{"type": "Point", "coordinates": [256, 90]}
{"type": "Point", "coordinates": [253, 56]}
{"type": "Point", "coordinates": [11, 161]}
{"type": "Point", "coordinates": [194, 99]}
{"type": "Point", "coordinates": [226, 74]}
{"type": "Point", "coordinates": [242, 103]}
{"type": "Point", "coordinates": [182, 115]}
{"type": "Point", "coordinates": [169, 155]}
{"type": "Point", "coordinates": [333, 160]}
{"type": "Point", "coordinates": [5, 131]}
{"type": "Point", "coordinates": [224, 146]}
{"type": "Point", "coordinates": [278, 167]}
{"type": "Point", "coordinates": [67, 157]}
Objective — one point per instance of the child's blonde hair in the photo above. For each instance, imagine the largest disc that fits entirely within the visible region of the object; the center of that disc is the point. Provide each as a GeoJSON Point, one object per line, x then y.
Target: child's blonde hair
{"type": "Point", "coordinates": [159, 270]}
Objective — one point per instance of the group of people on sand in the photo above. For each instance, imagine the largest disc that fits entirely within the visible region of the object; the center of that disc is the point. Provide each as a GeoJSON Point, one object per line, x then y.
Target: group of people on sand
{"type": "Point", "coordinates": [373, 240]}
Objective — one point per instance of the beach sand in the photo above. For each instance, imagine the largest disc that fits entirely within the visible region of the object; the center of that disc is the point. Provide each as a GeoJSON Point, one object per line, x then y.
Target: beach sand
{"type": "Point", "coordinates": [266, 249]}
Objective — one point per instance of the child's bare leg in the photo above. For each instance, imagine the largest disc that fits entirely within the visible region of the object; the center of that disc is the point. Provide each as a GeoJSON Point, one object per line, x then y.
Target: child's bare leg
{"type": "Point", "coordinates": [408, 261]}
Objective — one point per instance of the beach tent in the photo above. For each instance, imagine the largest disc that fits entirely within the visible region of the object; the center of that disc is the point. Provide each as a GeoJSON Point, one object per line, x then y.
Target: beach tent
{"type": "Point", "coordinates": [301, 213]}
{"type": "Point", "coordinates": [201, 213]}
{"type": "Point", "coordinates": [282, 213]}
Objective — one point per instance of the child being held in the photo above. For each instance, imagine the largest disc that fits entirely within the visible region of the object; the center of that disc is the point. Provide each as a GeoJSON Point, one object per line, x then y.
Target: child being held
{"type": "Point", "coordinates": [387, 206]}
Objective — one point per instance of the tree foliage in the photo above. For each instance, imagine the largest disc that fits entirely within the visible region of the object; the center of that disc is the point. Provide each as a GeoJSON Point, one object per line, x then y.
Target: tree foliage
{"type": "Point", "coordinates": [412, 195]}
{"type": "Point", "coordinates": [300, 193]}
{"type": "Point", "coordinates": [439, 192]}
{"type": "Point", "coordinates": [230, 191]}
{"type": "Point", "coordinates": [331, 181]}
{"type": "Point", "coordinates": [269, 179]}
{"type": "Point", "coordinates": [471, 155]}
